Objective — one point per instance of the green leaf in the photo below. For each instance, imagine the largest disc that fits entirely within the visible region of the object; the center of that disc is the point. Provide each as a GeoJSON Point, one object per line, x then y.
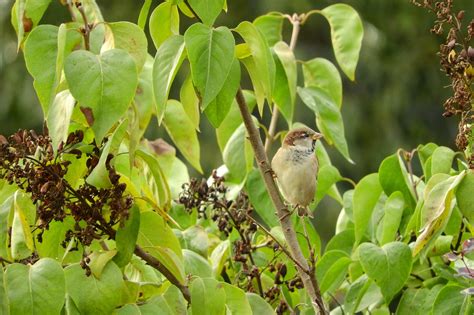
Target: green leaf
{"type": "Point", "coordinates": [4, 307]}
{"type": "Point", "coordinates": [359, 290]}
{"type": "Point", "coordinates": [197, 240]}
{"type": "Point", "coordinates": [255, 77]}
{"type": "Point", "coordinates": [190, 101]}
{"type": "Point", "coordinates": [284, 93]}
{"type": "Point", "coordinates": [144, 14]}
{"type": "Point", "coordinates": [270, 26]}
{"type": "Point", "coordinates": [217, 110]}
{"type": "Point", "coordinates": [207, 10]}
{"type": "Point", "coordinates": [168, 59]}
{"type": "Point", "coordinates": [99, 177]}
{"type": "Point", "coordinates": [236, 157]}
{"type": "Point", "coordinates": [211, 55]}
{"type": "Point", "coordinates": [53, 237]}
{"type": "Point", "coordinates": [164, 246]}
{"type": "Point", "coordinates": [208, 296]}
{"type": "Point", "coordinates": [236, 300]}
{"type": "Point", "coordinates": [262, 57]}
{"type": "Point", "coordinates": [413, 302]}
{"type": "Point", "coordinates": [107, 87]}
{"type": "Point", "coordinates": [343, 241]}
{"type": "Point", "coordinates": [465, 197]}
{"type": "Point", "coordinates": [35, 289]}
{"type": "Point", "coordinates": [144, 98]}
{"type": "Point", "coordinates": [29, 13]}
{"type": "Point", "coordinates": [59, 117]}
{"type": "Point", "coordinates": [322, 73]}
{"type": "Point", "coordinates": [22, 244]}
{"type": "Point", "coordinates": [233, 120]}
{"type": "Point", "coordinates": [259, 305]}
{"type": "Point", "coordinates": [346, 36]}
{"type": "Point", "coordinates": [449, 301]}
{"type": "Point", "coordinates": [441, 160]}
{"type": "Point", "coordinates": [196, 265]}
{"type": "Point", "coordinates": [328, 117]}
{"type": "Point", "coordinates": [425, 152]}
{"type": "Point", "coordinates": [129, 37]}
{"type": "Point", "coordinates": [98, 261]}
{"type": "Point", "coordinates": [44, 51]}
{"type": "Point", "coordinates": [328, 175]}
{"type": "Point", "coordinates": [366, 194]}
{"type": "Point", "coordinates": [219, 256]}
{"type": "Point", "coordinates": [126, 237]}
{"type": "Point", "coordinates": [162, 195]}
{"type": "Point", "coordinates": [92, 295]}
{"type": "Point", "coordinates": [6, 211]}
{"type": "Point", "coordinates": [182, 132]}
{"type": "Point", "coordinates": [393, 211]}
{"type": "Point", "coordinates": [331, 270]}
{"type": "Point", "coordinates": [436, 211]}
{"type": "Point", "coordinates": [260, 199]}
{"type": "Point", "coordinates": [393, 177]}
{"type": "Point", "coordinates": [164, 23]}
{"type": "Point", "coordinates": [389, 266]}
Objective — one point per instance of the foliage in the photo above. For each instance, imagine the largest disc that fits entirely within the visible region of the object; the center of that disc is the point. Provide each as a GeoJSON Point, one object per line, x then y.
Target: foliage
{"type": "Point", "coordinates": [97, 219]}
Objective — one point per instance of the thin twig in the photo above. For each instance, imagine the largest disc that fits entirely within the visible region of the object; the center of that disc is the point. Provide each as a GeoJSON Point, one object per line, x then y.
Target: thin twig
{"type": "Point", "coordinates": [86, 30]}
{"type": "Point", "coordinates": [306, 274]}
{"type": "Point", "coordinates": [155, 263]}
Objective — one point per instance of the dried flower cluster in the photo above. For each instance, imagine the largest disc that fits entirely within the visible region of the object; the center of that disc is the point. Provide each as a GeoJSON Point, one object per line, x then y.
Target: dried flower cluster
{"type": "Point", "coordinates": [235, 215]}
{"type": "Point", "coordinates": [28, 161]}
{"type": "Point", "coordinates": [457, 61]}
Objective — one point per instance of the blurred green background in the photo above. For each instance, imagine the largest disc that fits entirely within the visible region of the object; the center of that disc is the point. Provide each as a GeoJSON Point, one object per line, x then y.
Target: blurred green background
{"type": "Point", "coordinates": [395, 102]}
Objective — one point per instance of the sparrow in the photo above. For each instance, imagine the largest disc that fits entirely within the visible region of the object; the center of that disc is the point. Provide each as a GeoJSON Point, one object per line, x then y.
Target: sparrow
{"type": "Point", "coordinates": [296, 166]}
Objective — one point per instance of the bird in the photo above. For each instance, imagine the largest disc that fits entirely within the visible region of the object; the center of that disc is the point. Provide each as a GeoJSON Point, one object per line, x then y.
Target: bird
{"type": "Point", "coordinates": [295, 166]}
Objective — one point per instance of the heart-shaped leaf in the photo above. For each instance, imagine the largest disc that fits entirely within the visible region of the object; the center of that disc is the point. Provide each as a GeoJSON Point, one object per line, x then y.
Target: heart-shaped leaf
{"type": "Point", "coordinates": [39, 288]}
{"type": "Point", "coordinates": [389, 266]}
{"type": "Point", "coordinates": [105, 83]}
{"type": "Point", "coordinates": [284, 93]}
{"type": "Point", "coordinates": [211, 55]}
{"type": "Point", "coordinates": [92, 295]}
{"type": "Point", "coordinates": [207, 10]}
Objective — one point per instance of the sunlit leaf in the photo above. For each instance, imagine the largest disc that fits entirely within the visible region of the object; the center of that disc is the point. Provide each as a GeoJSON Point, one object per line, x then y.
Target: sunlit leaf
{"type": "Point", "coordinates": [168, 59]}
{"type": "Point", "coordinates": [126, 237]}
{"type": "Point", "coordinates": [208, 296]}
{"type": "Point", "coordinates": [284, 93]}
{"type": "Point", "coordinates": [182, 132]}
{"type": "Point", "coordinates": [271, 27]}
{"type": "Point", "coordinates": [393, 211]}
{"type": "Point", "coordinates": [346, 35]}
{"type": "Point", "coordinates": [164, 22]}
{"type": "Point", "coordinates": [262, 56]}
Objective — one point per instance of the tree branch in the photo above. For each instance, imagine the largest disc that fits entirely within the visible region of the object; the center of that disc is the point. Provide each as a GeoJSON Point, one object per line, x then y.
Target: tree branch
{"type": "Point", "coordinates": [305, 273]}
{"type": "Point", "coordinates": [155, 263]}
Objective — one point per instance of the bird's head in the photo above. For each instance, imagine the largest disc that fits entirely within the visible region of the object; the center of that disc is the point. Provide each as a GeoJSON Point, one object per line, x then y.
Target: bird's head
{"type": "Point", "coordinates": [303, 138]}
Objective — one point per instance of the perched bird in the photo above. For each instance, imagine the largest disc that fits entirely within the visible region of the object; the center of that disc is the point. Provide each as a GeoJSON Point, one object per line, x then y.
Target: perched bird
{"type": "Point", "coordinates": [296, 166]}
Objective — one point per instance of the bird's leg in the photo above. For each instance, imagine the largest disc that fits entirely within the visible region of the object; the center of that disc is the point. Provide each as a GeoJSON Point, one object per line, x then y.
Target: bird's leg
{"type": "Point", "coordinates": [305, 212]}
{"type": "Point", "coordinates": [288, 213]}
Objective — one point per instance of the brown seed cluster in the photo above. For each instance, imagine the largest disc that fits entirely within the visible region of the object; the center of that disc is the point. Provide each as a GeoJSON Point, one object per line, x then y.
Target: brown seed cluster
{"type": "Point", "coordinates": [28, 161]}
{"type": "Point", "coordinates": [457, 61]}
{"type": "Point", "coordinates": [235, 216]}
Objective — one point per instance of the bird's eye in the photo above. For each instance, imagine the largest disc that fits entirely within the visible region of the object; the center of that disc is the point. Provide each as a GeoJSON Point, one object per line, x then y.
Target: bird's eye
{"type": "Point", "coordinates": [305, 135]}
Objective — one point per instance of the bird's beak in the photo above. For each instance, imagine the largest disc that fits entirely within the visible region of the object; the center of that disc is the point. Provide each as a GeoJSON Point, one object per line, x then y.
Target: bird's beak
{"type": "Point", "coordinates": [317, 136]}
